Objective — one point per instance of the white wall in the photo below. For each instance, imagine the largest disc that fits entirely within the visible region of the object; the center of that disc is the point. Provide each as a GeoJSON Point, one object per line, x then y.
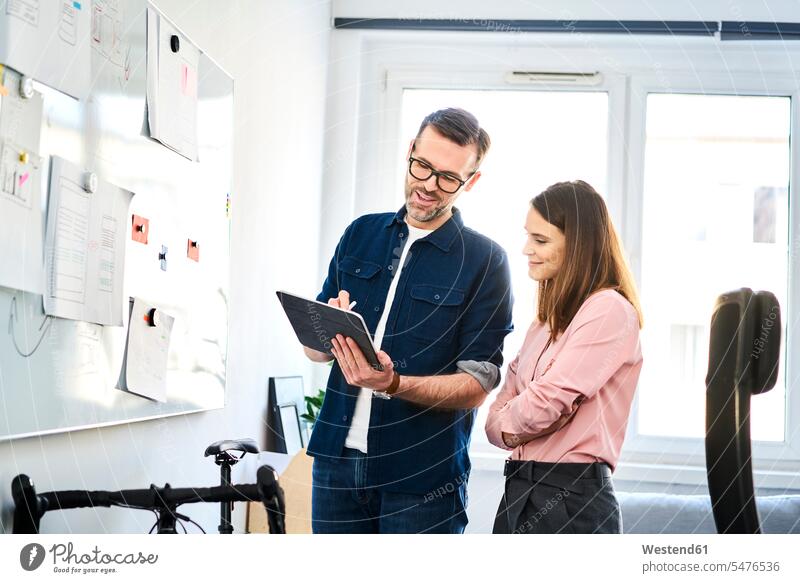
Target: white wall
{"type": "Point", "coordinates": [277, 51]}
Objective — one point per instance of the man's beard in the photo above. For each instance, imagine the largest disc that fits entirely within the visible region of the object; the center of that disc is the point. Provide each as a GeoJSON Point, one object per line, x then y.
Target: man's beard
{"type": "Point", "coordinates": [416, 213]}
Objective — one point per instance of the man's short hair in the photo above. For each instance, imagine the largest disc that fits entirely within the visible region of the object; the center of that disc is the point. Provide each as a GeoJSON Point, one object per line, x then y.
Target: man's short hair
{"type": "Point", "coordinates": [461, 127]}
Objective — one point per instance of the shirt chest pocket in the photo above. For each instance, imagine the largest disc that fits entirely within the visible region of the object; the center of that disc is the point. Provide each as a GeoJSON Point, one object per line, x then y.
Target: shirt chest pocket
{"type": "Point", "coordinates": [434, 313]}
{"type": "Point", "coordinates": [357, 277]}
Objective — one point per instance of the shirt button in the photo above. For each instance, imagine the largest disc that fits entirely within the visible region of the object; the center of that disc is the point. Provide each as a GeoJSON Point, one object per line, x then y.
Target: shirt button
{"type": "Point", "coordinates": [344, 418]}
{"type": "Point", "coordinates": [401, 235]}
{"type": "Point", "coordinates": [377, 308]}
{"type": "Point", "coordinates": [436, 297]}
{"type": "Point", "coordinates": [358, 270]}
{"type": "Point", "coordinates": [391, 268]}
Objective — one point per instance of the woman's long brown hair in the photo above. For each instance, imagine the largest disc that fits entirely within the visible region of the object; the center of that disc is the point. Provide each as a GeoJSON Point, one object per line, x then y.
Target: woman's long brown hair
{"type": "Point", "coordinates": [593, 255]}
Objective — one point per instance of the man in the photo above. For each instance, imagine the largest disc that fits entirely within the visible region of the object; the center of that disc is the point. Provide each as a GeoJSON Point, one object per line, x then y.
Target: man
{"type": "Point", "coordinates": [436, 296]}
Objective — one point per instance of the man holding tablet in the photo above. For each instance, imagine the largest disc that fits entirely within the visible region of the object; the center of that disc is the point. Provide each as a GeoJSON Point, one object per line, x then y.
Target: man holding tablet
{"type": "Point", "coordinates": [436, 296]}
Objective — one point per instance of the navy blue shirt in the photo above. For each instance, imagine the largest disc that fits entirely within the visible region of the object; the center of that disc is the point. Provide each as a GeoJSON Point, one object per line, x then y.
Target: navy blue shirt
{"type": "Point", "coordinates": [453, 303]}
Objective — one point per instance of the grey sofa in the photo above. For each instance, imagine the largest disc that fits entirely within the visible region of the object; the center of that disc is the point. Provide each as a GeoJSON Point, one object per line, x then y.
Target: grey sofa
{"type": "Point", "coordinates": [653, 513]}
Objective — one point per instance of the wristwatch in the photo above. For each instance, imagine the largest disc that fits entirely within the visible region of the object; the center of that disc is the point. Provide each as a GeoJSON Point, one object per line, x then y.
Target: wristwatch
{"type": "Point", "coordinates": [392, 389]}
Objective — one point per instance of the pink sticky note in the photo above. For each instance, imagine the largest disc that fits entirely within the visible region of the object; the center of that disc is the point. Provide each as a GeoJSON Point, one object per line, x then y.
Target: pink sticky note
{"type": "Point", "coordinates": [184, 79]}
{"type": "Point", "coordinates": [23, 178]}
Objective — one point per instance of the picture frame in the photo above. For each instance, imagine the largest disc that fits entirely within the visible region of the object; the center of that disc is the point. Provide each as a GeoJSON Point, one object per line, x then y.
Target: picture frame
{"type": "Point", "coordinates": [286, 432]}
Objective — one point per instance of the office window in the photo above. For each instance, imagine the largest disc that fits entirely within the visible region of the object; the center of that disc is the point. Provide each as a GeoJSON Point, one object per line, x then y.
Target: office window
{"type": "Point", "coordinates": [538, 138]}
{"type": "Point", "coordinates": [766, 202]}
{"type": "Point", "coordinates": [715, 219]}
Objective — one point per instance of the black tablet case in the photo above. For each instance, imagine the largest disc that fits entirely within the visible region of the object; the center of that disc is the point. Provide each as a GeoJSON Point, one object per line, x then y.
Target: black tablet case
{"type": "Point", "coordinates": [316, 323]}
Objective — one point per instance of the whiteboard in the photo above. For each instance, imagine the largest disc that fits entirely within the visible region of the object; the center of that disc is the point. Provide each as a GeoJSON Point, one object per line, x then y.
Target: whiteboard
{"type": "Point", "coordinates": [69, 380]}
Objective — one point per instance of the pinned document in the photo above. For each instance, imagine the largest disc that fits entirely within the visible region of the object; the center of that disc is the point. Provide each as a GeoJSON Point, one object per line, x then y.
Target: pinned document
{"type": "Point", "coordinates": [20, 111]}
{"type": "Point", "coordinates": [87, 224]}
{"type": "Point", "coordinates": [110, 38]}
{"type": "Point", "coordinates": [171, 104]}
{"type": "Point", "coordinates": [21, 232]}
{"type": "Point", "coordinates": [144, 367]}
{"type": "Point", "coordinates": [48, 41]}
{"type": "Point", "coordinates": [17, 175]}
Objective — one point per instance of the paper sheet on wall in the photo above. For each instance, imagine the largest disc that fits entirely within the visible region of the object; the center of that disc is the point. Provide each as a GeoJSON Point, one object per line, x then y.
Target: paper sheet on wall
{"type": "Point", "coordinates": [20, 117]}
{"type": "Point", "coordinates": [144, 367]}
{"type": "Point", "coordinates": [110, 38]}
{"type": "Point", "coordinates": [171, 116]}
{"type": "Point", "coordinates": [84, 247]}
{"type": "Point", "coordinates": [21, 228]}
{"type": "Point", "coordinates": [49, 41]}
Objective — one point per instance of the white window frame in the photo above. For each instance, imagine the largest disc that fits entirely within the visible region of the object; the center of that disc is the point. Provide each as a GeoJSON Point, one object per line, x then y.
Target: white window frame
{"type": "Point", "coordinates": [613, 85]}
{"type": "Point", "coordinates": [644, 458]}
{"type": "Point", "coordinates": [775, 464]}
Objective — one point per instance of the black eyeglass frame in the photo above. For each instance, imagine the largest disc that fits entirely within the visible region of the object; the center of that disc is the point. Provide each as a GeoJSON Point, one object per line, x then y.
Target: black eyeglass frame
{"type": "Point", "coordinates": [436, 173]}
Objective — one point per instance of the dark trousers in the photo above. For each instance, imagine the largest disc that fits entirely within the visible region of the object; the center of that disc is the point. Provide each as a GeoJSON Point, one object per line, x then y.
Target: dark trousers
{"type": "Point", "coordinates": [343, 502]}
{"type": "Point", "coordinates": [551, 498]}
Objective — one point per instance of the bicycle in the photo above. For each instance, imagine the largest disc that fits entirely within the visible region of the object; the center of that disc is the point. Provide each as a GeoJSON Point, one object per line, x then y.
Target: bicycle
{"type": "Point", "coordinates": [29, 507]}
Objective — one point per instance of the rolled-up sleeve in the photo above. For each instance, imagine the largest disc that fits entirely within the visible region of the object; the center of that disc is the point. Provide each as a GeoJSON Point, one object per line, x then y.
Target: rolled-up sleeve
{"type": "Point", "coordinates": [605, 337]}
{"type": "Point", "coordinates": [486, 373]}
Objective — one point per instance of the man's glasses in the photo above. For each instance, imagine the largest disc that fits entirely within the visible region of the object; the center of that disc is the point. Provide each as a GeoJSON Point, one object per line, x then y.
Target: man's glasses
{"type": "Point", "coordinates": [444, 181]}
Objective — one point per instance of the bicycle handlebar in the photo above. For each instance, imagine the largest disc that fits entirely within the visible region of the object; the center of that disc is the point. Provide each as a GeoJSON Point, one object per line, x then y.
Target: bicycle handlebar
{"type": "Point", "coordinates": [30, 506]}
{"type": "Point", "coordinates": [151, 498]}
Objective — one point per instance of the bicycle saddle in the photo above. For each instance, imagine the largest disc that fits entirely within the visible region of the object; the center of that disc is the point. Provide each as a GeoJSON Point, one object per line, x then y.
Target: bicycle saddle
{"type": "Point", "coordinates": [243, 445]}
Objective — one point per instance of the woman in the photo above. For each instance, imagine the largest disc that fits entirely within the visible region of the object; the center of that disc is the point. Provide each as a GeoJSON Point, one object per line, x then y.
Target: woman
{"type": "Point", "coordinates": [567, 395]}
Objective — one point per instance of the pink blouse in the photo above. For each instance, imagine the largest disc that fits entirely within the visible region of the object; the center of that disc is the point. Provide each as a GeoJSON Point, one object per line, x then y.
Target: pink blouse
{"type": "Point", "coordinates": [598, 357]}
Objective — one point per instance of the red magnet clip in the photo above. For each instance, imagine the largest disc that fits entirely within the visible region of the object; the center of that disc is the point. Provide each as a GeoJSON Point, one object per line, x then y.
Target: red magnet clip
{"type": "Point", "coordinates": [193, 250]}
{"type": "Point", "coordinates": [140, 229]}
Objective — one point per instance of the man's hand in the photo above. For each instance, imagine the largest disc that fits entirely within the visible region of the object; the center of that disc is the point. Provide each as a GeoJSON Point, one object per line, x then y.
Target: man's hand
{"type": "Point", "coordinates": [357, 371]}
{"type": "Point", "coordinates": [341, 301]}
{"type": "Point", "coordinates": [316, 355]}
{"type": "Point", "coordinates": [517, 439]}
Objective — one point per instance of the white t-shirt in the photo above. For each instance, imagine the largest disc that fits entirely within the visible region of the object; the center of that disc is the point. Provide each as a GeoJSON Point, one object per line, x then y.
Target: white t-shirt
{"type": "Point", "coordinates": [359, 425]}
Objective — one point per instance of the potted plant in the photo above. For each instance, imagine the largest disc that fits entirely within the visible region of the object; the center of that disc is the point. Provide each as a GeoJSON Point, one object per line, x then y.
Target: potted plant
{"type": "Point", "coordinates": [313, 406]}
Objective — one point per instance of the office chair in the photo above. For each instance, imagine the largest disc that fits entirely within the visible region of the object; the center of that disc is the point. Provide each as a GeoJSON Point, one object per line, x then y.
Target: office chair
{"type": "Point", "coordinates": [744, 350]}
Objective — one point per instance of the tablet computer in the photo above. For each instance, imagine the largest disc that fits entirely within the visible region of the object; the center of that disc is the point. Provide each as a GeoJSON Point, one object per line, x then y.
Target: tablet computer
{"type": "Point", "coordinates": [315, 323]}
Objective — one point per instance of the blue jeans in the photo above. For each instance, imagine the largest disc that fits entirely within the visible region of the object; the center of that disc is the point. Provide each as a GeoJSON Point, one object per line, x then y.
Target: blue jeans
{"type": "Point", "coordinates": [342, 502]}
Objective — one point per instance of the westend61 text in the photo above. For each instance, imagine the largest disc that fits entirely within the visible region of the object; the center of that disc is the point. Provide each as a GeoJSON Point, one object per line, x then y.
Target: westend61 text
{"type": "Point", "coordinates": [675, 550]}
